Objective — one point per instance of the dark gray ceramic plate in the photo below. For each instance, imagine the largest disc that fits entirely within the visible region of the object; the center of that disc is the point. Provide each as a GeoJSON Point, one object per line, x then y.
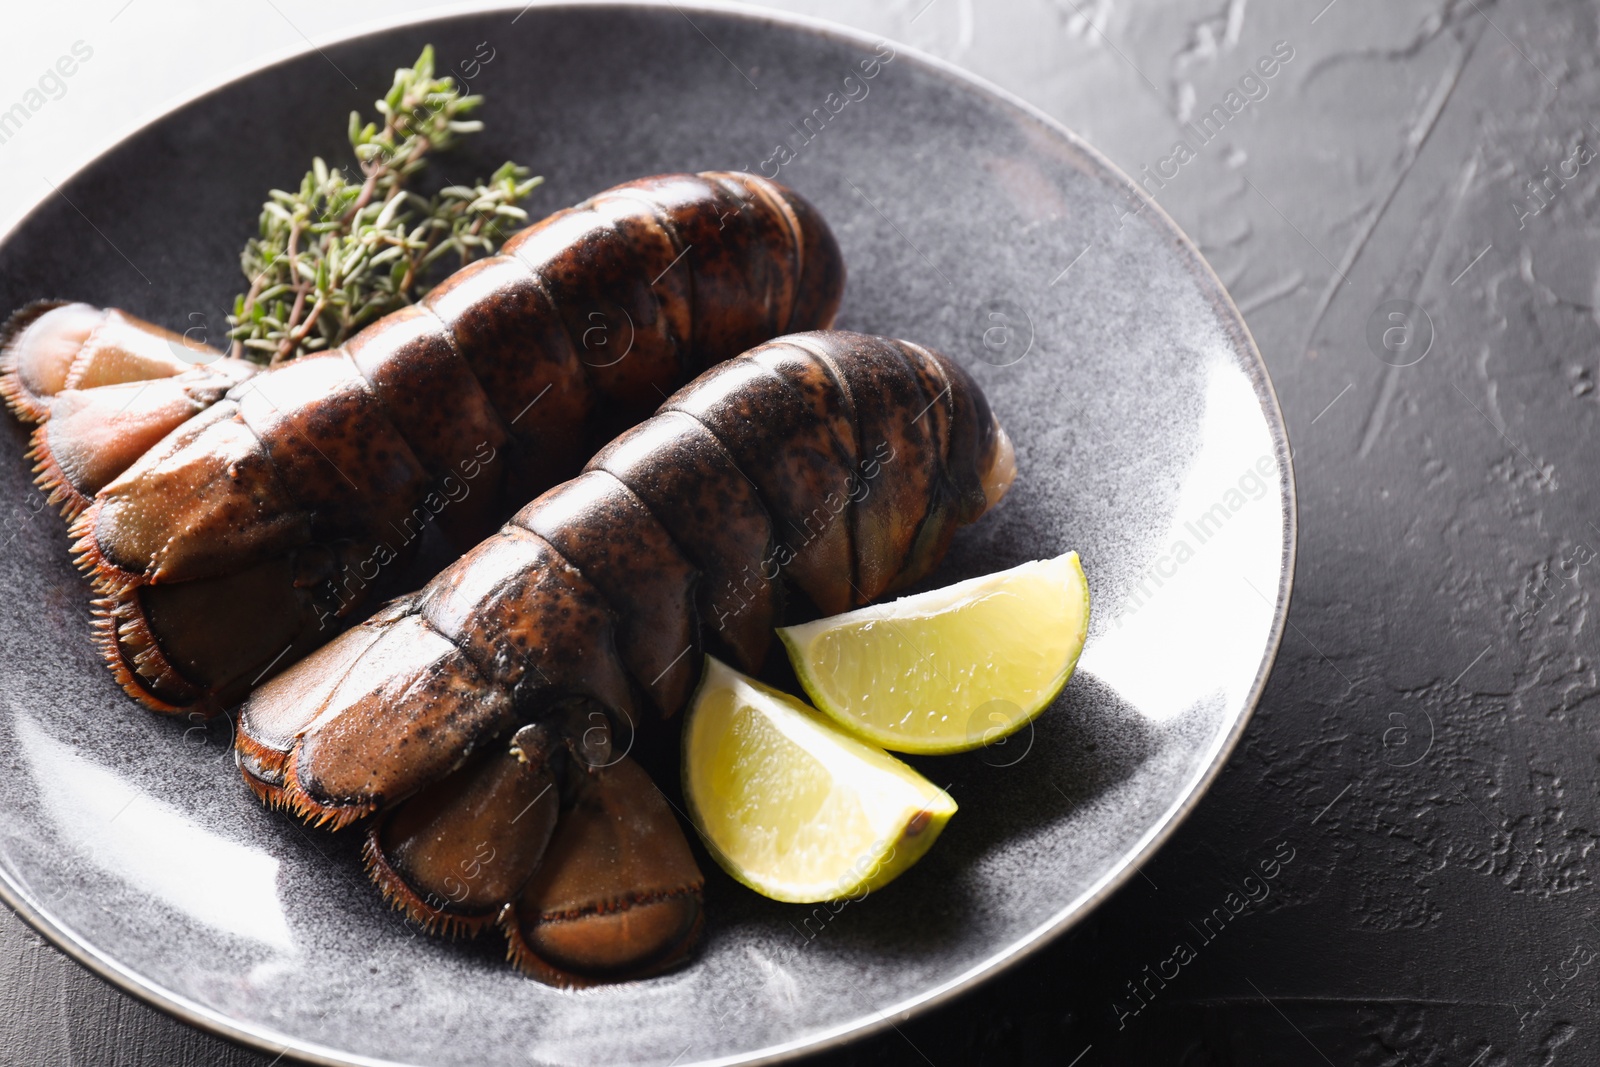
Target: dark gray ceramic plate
{"type": "Point", "coordinates": [1148, 436]}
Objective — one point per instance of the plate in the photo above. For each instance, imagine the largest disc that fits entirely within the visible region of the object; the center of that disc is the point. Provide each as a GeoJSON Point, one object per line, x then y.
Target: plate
{"type": "Point", "coordinates": [1148, 438]}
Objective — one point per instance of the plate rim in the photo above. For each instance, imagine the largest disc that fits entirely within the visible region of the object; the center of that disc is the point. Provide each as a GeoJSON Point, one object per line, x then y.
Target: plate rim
{"type": "Point", "coordinates": [262, 1039]}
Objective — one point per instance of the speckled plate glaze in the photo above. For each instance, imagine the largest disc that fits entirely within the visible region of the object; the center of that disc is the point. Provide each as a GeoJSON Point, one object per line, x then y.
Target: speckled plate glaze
{"type": "Point", "coordinates": [1148, 437]}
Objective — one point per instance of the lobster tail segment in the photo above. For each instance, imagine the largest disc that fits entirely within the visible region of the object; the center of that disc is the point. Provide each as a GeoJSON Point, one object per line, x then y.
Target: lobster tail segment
{"type": "Point", "coordinates": [820, 271]}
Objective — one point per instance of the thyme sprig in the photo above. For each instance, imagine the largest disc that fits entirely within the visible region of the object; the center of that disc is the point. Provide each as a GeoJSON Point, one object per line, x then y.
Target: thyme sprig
{"type": "Point", "coordinates": [338, 253]}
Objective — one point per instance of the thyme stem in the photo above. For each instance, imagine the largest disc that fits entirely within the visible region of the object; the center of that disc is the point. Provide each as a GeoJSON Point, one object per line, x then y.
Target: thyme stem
{"type": "Point", "coordinates": [334, 255]}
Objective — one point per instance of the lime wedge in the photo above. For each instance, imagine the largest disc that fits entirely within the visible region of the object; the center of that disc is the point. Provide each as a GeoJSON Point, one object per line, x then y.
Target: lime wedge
{"type": "Point", "coordinates": [951, 669]}
{"type": "Point", "coordinates": [791, 805]}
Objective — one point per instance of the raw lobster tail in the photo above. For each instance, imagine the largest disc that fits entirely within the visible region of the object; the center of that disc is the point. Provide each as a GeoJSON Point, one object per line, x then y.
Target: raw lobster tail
{"type": "Point", "coordinates": [476, 715]}
{"type": "Point", "coordinates": [280, 505]}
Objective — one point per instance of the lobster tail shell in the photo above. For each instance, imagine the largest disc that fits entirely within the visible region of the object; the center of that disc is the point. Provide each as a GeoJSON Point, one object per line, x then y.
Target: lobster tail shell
{"type": "Point", "coordinates": [285, 503]}
{"type": "Point", "coordinates": [826, 468]}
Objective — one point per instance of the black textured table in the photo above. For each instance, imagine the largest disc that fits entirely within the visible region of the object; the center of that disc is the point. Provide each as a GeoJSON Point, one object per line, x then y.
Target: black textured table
{"type": "Point", "coordinates": [1394, 869]}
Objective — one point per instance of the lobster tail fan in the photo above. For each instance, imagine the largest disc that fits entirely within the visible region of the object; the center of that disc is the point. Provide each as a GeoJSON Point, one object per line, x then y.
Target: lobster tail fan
{"type": "Point", "coordinates": [93, 435]}
{"type": "Point", "coordinates": [618, 894]}
{"type": "Point", "coordinates": [104, 388]}
{"type": "Point", "coordinates": [452, 855]}
{"type": "Point", "coordinates": [48, 474]}
{"type": "Point", "coordinates": [49, 348]}
{"type": "Point", "coordinates": [152, 586]}
{"type": "Point", "coordinates": [122, 634]}
{"type": "Point", "coordinates": [30, 363]}
{"type": "Point", "coordinates": [284, 707]}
